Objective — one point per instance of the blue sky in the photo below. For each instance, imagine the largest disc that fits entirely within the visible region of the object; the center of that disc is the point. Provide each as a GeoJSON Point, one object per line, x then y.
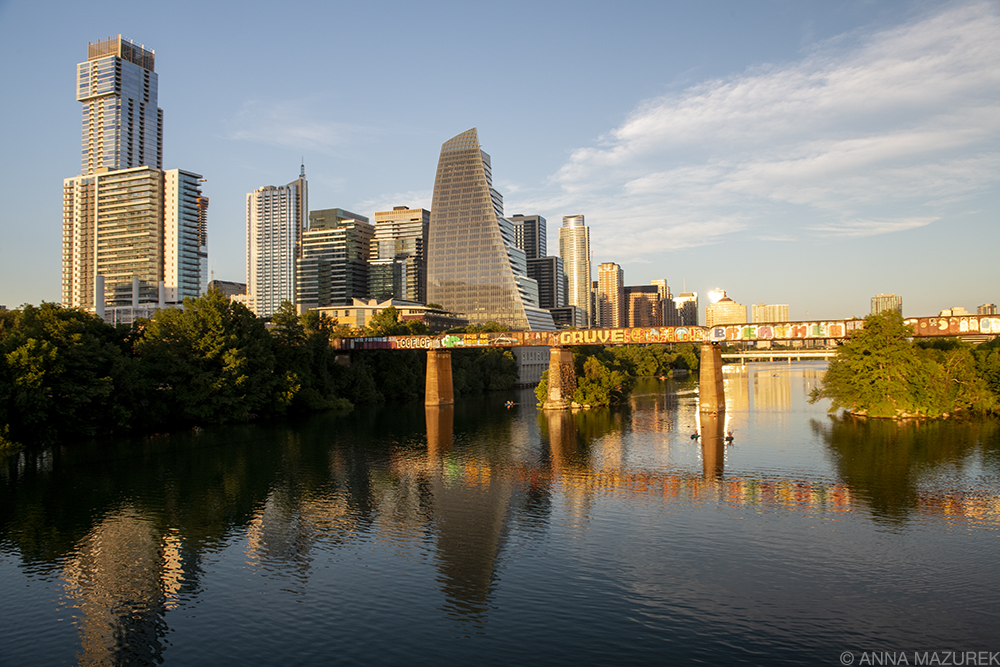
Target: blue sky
{"type": "Point", "coordinates": [799, 152]}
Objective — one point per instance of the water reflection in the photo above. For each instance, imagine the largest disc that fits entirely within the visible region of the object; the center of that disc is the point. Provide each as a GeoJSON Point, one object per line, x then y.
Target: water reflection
{"type": "Point", "coordinates": [127, 525]}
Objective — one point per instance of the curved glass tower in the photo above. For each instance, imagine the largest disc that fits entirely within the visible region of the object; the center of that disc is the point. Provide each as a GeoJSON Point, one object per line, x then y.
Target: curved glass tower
{"type": "Point", "coordinates": [474, 267]}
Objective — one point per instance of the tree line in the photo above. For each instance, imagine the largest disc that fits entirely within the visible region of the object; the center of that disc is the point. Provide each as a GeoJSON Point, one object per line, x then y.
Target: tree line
{"type": "Point", "coordinates": [65, 373]}
{"type": "Point", "coordinates": [881, 371]}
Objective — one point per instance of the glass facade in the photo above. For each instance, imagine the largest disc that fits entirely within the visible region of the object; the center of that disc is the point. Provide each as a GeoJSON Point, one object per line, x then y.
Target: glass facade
{"type": "Point", "coordinates": [574, 248]}
{"type": "Point", "coordinates": [333, 269]}
{"type": "Point", "coordinates": [610, 296]}
{"type": "Point", "coordinates": [530, 235]}
{"type": "Point", "coordinates": [122, 125]}
{"type": "Point", "coordinates": [399, 250]}
{"type": "Point", "coordinates": [474, 267]}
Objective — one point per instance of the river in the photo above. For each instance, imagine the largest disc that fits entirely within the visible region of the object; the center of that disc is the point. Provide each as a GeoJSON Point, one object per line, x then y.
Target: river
{"type": "Point", "coordinates": [486, 535]}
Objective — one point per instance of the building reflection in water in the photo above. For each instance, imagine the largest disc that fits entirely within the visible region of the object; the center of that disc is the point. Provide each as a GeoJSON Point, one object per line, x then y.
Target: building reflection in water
{"type": "Point", "coordinates": [123, 575]}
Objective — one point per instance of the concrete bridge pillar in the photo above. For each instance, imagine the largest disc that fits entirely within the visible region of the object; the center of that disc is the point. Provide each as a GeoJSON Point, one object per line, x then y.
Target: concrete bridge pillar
{"type": "Point", "coordinates": [438, 388]}
{"type": "Point", "coordinates": [562, 379]}
{"type": "Point", "coordinates": [711, 392]}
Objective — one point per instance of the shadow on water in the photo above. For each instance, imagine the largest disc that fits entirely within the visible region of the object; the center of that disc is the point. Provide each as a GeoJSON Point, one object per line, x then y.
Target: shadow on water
{"type": "Point", "coordinates": [889, 464]}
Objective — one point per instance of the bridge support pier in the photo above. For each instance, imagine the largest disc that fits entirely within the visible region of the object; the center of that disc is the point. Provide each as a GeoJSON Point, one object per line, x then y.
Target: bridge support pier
{"type": "Point", "coordinates": [711, 392]}
{"type": "Point", "coordinates": [562, 379]}
{"type": "Point", "coordinates": [438, 388]}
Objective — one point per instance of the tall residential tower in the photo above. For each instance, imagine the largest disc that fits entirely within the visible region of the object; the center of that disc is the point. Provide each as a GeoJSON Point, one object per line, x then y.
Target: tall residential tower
{"type": "Point", "coordinates": [574, 248]}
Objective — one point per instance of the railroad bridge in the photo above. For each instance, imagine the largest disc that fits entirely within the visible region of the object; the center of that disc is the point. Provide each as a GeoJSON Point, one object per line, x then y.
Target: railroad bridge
{"type": "Point", "coordinates": [562, 375]}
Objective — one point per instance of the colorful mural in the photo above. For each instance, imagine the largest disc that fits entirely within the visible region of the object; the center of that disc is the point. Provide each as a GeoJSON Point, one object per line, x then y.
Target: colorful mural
{"type": "Point", "coordinates": [772, 331]}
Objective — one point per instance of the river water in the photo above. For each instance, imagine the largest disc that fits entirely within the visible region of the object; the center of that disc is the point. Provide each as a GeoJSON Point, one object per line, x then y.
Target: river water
{"type": "Point", "coordinates": [480, 534]}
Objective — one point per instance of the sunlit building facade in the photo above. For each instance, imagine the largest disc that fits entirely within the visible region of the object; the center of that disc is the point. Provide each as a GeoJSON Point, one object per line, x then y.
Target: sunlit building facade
{"type": "Point", "coordinates": [276, 219]}
{"type": "Point", "coordinates": [610, 295]}
{"type": "Point", "coordinates": [725, 311]}
{"type": "Point", "coordinates": [475, 268]}
{"type": "Point", "coordinates": [770, 313]}
{"type": "Point", "coordinates": [883, 302]}
{"type": "Point", "coordinates": [333, 269]}
{"type": "Point", "coordinates": [398, 259]}
{"type": "Point", "coordinates": [574, 248]}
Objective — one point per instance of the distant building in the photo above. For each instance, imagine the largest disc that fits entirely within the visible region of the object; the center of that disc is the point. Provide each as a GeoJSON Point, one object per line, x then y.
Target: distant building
{"type": "Point", "coordinates": [687, 308]}
{"type": "Point", "coordinates": [716, 295]}
{"type": "Point", "coordinates": [229, 289]}
{"type": "Point", "coordinates": [644, 306]}
{"type": "Point", "coordinates": [772, 313]}
{"type": "Point", "coordinates": [398, 260]}
{"type": "Point", "coordinates": [610, 296]}
{"type": "Point", "coordinates": [569, 317]}
{"type": "Point", "coordinates": [574, 249]}
{"type": "Point", "coordinates": [725, 311]}
{"type": "Point", "coordinates": [987, 309]}
{"type": "Point", "coordinates": [333, 268]}
{"type": "Point", "coordinates": [552, 284]}
{"type": "Point", "coordinates": [276, 219]}
{"type": "Point", "coordinates": [954, 312]}
{"type": "Point", "coordinates": [530, 235]}
{"type": "Point", "coordinates": [883, 302]}
{"type": "Point", "coordinates": [360, 311]}
{"type": "Point", "coordinates": [474, 267]}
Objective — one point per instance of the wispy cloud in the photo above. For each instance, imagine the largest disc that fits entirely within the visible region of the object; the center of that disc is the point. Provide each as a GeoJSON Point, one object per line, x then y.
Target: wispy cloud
{"type": "Point", "coordinates": [411, 199]}
{"type": "Point", "coordinates": [294, 124]}
{"type": "Point", "coordinates": [862, 136]}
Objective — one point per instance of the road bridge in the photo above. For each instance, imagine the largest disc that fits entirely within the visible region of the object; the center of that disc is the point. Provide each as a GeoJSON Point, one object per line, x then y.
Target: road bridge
{"type": "Point", "coordinates": [562, 377]}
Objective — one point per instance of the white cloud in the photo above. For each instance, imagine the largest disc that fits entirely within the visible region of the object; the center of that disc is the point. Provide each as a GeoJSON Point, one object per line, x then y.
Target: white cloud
{"type": "Point", "coordinates": [901, 120]}
{"type": "Point", "coordinates": [411, 199]}
{"type": "Point", "coordinates": [292, 124]}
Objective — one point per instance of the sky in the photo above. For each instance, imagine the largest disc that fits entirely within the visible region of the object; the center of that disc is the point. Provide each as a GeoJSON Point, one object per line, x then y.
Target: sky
{"type": "Point", "coordinates": [799, 152]}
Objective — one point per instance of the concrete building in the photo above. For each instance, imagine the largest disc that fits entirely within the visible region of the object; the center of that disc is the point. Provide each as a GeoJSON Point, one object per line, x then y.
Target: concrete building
{"type": "Point", "coordinates": [725, 311]}
{"type": "Point", "coordinates": [133, 234]}
{"type": "Point", "coordinates": [987, 309]}
{"type": "Point", "coordinates": [475, 268]}
{"type": "Point", "coordinates": [956, 311]}
{"type": "Point", "coordinates": [333, 267]}
{"type": "Point", "coordinates": [360, 311]}
{"type": "Point", "coordinates": [398, 261]}
{"type": "Point", "coordinates": [276, 219]}
{"type": "Point", "coordinates": [882, 302]}
{"type": "Point", "coordinates": [610, 296]}
{"type": "Point", "coordinates": [574, 249]}
{"type": "Point", "coordinates": [772, 313]}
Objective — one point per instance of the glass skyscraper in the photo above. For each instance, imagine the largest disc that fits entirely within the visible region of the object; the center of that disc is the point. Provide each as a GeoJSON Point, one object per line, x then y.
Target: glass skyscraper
{"type": "Point", "coordinates": [475, 268]}
{"type": "Point", "coordinates": [333, 268]}
{"type": "Point", "coordinates": [398, 264]}
{"type": "Point", "coordinates": [574, 248]}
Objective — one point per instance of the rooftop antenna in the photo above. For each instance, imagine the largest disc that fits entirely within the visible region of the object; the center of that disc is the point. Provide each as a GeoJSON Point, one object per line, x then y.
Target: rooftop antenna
{"type": "Point", "coordinates": [302, 171]}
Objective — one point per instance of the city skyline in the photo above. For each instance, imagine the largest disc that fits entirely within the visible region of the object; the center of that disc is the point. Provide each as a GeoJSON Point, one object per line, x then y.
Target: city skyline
{"type": "Point", "coordinates": [792, 153]}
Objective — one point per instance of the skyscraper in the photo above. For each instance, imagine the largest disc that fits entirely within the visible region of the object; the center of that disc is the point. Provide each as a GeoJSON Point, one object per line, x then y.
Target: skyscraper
{"type": "Point", "coordinates": [643, 305]}
{"type": "Point", "coordinates": [333, 269]}
{"type": "Point", "coordinates": [474, 267]}
{"type": "Point", "coordinates": [881, 302]}
{"type": "Point", "coordinates": [687, 307]}
{"type": "Point", "coordinates": [548, 273]}
{"type": "Point", "coordinates": [276, 219]}
{"type": "Point", "coordinates": [398, 261]}
{"type": "Point", "coordinates": [610, 296]}
{"type": "Point", "coordinates": [139, 231]}
{"type": "Point", "coordinates": [122, 125]}
{"type": "Point", "coordinates": [725, 311]}
{"type": "Point", "coordinates": [773, 313]}
{"type": "Point", "coordinates": [530, 235]}
{"type": "Point", "coordinates": [574, 248]}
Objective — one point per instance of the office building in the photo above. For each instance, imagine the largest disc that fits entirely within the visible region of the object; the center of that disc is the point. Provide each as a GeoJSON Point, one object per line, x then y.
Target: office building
{"type": "Point", "coordinates": [725, 311]}
{"type": "Point", "coordinates": [228, 288]}
{"type": "Point", "coordinates": [530, 235]}
{"type": "Point", "coordinates": [987, 309]}
{"type": "Point", "coordinates": [474, 267]}
{"type": "Point", "coordinates": [398, 260]}
{"type": "Point", "coordinates": [333, 268]}
{"type": "Point", "coordinates": [548, 273]}
{"type": "Point", "coordinates": [574, 249]}
{"type": "Point", "coordinates": [643, 306]}
{"type": "Point", "coordinates": [687, 308]}
{"type": "Point", "coordinates": [610, 296]}
{"type": "Point", "coordinates": [770, 313]}
{"type": "Point", "coordinates": [133, 235]}
{"type": "Point", "coordinates": [883, 302]}
{"type": "Point", "coordinates": [276, 219]}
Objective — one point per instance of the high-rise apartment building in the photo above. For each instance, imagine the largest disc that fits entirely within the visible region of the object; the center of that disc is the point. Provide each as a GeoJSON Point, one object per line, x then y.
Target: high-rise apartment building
{"type": "Point", "coordinates": [770, 313]}
{"type": "Point", "coordinates": [122, 125]}
{"type": "Point", "coordinates": [530, 235]}
{"type": "Point", "coordinates": [474, 267]}
{"type": "Point", "coordinates": [133, 234]}
{"type": "Point", "coordinates": [398, 261]}
{"type": "Point", "coordinates": [882, 302]}
{"type": "Point", "coordinates": [687, 307]}
{"type": "Point", "coordinates": [574, 249]}
{"type": "Point", "coordinates": [333, 268]}
{"type": "Point", "coordinates": [276, 219]}
{"type": "Point", "coordinates": [610, 296]}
